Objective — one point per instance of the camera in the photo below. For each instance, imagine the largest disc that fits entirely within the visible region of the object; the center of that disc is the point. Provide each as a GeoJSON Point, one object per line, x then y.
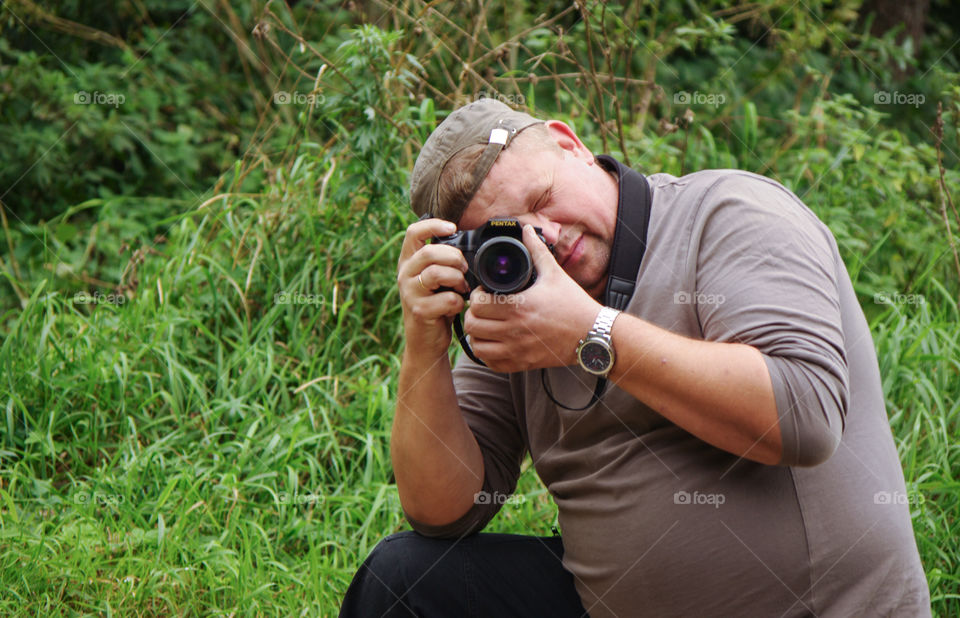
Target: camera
{"type": "Point", "coordinates": [496, 256]}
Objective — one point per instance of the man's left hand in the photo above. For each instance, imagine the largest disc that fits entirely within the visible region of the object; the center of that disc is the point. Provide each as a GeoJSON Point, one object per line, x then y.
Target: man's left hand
{"type": "Point", "coordinates": [539, 327]}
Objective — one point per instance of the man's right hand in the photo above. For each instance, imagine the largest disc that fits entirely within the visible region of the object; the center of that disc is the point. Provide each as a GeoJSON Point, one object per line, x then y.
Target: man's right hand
{"type": "Point", "coordinates": [421, 270]}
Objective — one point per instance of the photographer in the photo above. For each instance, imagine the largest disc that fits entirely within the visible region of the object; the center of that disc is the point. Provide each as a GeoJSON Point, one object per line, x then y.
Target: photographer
{"type": "Point", "coordinates": [714, 448]}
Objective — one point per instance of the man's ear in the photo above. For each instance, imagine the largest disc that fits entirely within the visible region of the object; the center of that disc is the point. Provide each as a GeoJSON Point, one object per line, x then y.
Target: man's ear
{"type": "Point", "coordinates": [568, 140]}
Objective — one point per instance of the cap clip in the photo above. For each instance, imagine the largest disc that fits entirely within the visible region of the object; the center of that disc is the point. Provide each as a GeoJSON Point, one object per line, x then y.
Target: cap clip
{"type": "Point", "coordinates": [499, 136]}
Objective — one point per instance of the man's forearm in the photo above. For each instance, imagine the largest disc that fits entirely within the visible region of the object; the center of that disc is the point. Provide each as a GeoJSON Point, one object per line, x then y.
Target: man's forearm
{"type": "Point", "coordinates": [436, 459]}
{"type": "Point", "coordinates": [719, 392]}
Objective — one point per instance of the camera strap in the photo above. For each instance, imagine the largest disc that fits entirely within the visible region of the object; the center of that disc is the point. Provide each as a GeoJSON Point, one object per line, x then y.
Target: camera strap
{"type": "Point", "coordinates": [629, 245]}
{"type": "Point", "coordinates": [630, 237]}
{"type": "Point", "coordinates": [462, 338]}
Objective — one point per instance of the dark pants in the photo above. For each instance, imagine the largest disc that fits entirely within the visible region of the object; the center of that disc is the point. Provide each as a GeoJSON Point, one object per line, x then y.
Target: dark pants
{"type": "Point", "coordinates": [481, 575]}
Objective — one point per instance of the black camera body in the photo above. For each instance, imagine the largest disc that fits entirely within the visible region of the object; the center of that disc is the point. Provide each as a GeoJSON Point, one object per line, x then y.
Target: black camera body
{"type": "Point", "coordinates": [496, 256]}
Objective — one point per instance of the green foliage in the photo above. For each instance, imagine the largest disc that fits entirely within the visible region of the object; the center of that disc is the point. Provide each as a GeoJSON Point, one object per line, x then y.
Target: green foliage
{"type": "Point", "coordinates": [161, 116]}
{"type": "Point", "coordinates": [369, 117]}
{"type": "Point", "coordinates": [198, 385]}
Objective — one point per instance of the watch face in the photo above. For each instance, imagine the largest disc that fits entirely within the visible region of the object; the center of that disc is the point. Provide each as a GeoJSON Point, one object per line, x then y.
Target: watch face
{"type": "Point", "coordinates": [595, 357]}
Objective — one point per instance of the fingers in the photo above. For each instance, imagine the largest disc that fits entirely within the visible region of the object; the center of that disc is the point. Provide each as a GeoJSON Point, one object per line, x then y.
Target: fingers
{"type": "Point", "coordinates": [484, 304]}
{"type": "Point", "coordinates": [420, 232]}
{"type": "Point", "coordinates": [501, 356]}
{"type": "Point", "coordinates": [492, 317]}
{"type": "Point", "coordinates": [436, 276]}
{"type": "Point", "coordinates": [438, 305]}
{"type": "Point", "coordinates": [441, 256]}
{"type": "Point", "coordinates": [422, 301]}
{"type": "Point", "coordinates": [416, 256]}
{"type": "Point", "coordinates": [423, 268]}
{"type": "Point", "coordinates": [542, 257]}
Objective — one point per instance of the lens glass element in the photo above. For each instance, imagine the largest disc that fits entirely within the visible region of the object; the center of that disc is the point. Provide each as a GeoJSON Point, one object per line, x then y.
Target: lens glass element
{"type": "Point", "coordinates": [503, 265]}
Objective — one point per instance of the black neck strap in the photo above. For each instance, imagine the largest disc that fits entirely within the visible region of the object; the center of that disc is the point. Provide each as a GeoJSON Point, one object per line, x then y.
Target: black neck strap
{"type": "Point", "coordinates": [630, 237]}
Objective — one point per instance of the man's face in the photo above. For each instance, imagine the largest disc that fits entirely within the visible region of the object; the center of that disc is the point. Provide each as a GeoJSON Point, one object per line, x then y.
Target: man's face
{"type": "Point", "coordinates": [564, 192]}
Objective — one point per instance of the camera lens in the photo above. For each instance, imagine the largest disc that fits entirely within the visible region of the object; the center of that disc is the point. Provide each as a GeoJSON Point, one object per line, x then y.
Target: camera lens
{"type": "Point", "coordinates": [504, 265]}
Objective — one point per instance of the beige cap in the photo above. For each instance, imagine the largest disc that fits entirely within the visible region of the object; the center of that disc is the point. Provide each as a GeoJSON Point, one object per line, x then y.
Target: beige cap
{"type": "Point", "coordinates": [484, 121]}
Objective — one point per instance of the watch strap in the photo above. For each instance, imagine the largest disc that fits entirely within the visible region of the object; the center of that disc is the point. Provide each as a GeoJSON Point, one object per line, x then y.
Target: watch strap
{"type": "Point", "coordinates": [603, 325]}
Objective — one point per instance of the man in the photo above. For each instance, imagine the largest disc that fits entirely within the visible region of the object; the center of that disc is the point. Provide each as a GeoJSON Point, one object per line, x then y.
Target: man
{"type": "Point", "coordinates": [740, 463]}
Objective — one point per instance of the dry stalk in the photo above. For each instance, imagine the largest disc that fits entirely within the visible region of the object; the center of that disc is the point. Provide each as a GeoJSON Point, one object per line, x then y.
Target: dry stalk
{"type": "Point", "coordinates": [15, 272]}
{"type": "Point", "coordinates": [944, 194]}
{"type": "Point", "coordinates": [71, 28]}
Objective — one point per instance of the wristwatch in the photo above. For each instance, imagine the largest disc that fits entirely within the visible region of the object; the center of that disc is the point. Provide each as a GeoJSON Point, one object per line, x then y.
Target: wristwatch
{"type": "Point", "coordinates": [595, 351]}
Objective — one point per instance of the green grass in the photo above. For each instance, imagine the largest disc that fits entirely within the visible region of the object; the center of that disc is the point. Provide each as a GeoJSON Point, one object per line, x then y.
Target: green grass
{"type": "Point", "coordinates": [919, 354]}
{"type": "Point", "coordinates": [219, 446]}
{"type": "Point", "coordinates": [207, 448]}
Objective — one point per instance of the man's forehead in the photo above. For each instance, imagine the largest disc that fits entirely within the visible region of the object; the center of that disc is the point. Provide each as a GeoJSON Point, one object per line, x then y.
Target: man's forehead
{"type": "Point", "coordinates": [505, 191]}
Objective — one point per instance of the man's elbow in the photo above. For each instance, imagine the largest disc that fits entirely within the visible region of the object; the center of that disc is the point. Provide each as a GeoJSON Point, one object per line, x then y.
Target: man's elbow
{"type": "Point", "coordinates": [470, 521]}
{"type": "Point", "coordinates": [811, 408]}
{"type": "Point", "coordinates": [434, 516]}
{"type": "Point", "coordinates": [811, 445]}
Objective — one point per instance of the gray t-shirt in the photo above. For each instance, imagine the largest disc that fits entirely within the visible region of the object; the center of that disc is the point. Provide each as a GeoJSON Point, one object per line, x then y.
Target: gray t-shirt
{"type": "Point", "coordinates": [657, 522]}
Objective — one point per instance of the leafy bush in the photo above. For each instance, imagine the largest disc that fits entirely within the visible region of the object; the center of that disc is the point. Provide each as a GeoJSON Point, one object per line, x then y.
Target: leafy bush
{"type": "Point", "coordinates": [156, 109]}
{"type": "Point", "coordinates": [198, 383]}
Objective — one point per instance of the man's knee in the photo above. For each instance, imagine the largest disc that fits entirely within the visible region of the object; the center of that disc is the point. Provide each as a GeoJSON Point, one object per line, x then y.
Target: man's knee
{"type": "Point", "coordinates": [398, 563]}
{"type": "Point", "coordinates": [388, 560]}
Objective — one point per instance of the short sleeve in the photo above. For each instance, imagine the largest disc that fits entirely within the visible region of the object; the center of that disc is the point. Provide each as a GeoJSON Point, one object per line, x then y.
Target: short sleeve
{"type": "Point", "coordinates": [767, 275]}
{"type": "Point", "coordinates": [487, 404]}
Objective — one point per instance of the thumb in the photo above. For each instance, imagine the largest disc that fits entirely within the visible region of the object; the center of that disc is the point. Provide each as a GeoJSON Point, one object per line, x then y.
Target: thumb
{"type": "Point", "coordinates": [541, 254]}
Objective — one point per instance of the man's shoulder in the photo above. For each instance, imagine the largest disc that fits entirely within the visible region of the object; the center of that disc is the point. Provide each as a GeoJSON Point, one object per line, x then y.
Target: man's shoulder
{"type": "Point", "coordinates": [719, 202]}
{"type": "Point", "coordinates": [699, 193]}
{"type": "Point", "coordinates": [705, 180]}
